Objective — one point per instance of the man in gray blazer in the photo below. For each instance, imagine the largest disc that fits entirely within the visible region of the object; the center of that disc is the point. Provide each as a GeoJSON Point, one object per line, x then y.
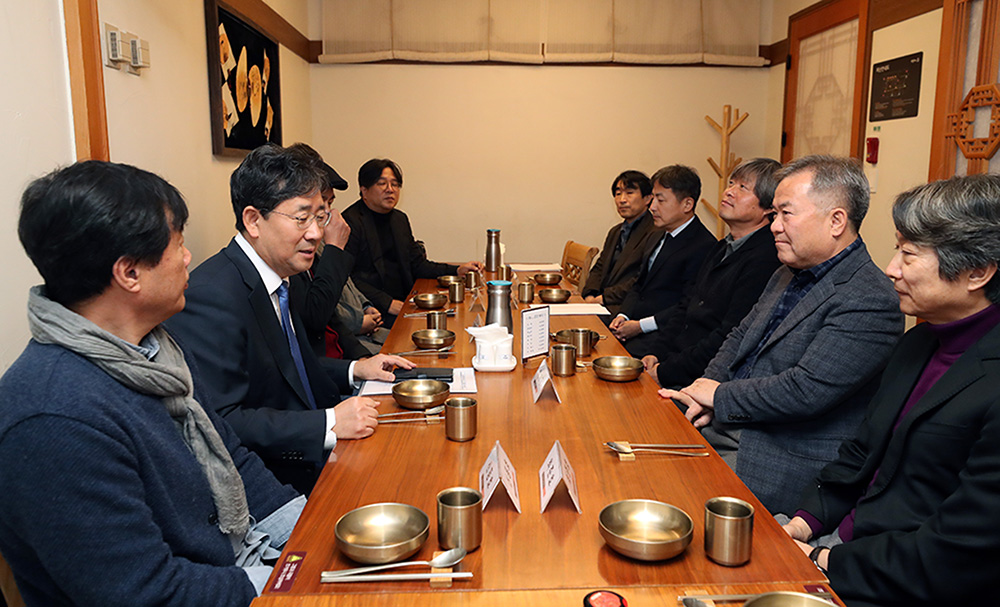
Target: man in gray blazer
{"type": "Point", "coordinates": [792, 380]}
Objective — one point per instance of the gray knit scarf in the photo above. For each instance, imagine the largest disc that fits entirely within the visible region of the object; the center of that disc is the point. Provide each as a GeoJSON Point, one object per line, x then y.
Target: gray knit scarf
{"type": "Point", "coordinates": [166, 376]}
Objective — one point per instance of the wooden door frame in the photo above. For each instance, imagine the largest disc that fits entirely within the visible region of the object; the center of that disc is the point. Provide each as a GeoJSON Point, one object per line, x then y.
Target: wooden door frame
{"type": "Point", "coordinates": [813, 20]}
{"type": "Point", "coordinates": [86, 79]}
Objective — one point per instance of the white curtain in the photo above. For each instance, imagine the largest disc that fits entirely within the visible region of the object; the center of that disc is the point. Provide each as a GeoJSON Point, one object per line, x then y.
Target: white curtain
{"type": "Point", "coordinates": [356, 32]}
{"type": "Point", "coordinates": [732, 32]}
{"type": "Point", "coordinates": [516, 31]}
{"type": "Point", "coordinates": [724, 32]}
{"type": "Point", "coordinates": [658, 31]}
{"type": "Point", "coordinates": [579, 31]}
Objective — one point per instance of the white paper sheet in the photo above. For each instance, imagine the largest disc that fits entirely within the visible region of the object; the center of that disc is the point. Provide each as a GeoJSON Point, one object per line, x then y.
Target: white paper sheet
{"type": "Point", "coordinates": [536, 267]}
{"type": "Point", "coordinates": [463, 382]}
{"type": "Point", "coordinates": [575, 309]}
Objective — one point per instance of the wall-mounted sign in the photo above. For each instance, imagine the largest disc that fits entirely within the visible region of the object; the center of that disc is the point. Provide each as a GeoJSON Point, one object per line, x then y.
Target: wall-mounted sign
{"type": "Point", "coordinates": [896, 88]}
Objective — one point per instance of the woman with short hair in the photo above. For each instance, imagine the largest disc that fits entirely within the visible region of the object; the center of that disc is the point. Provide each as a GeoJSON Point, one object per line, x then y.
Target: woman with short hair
{"type": "Point", "coordinates": [907, 514]}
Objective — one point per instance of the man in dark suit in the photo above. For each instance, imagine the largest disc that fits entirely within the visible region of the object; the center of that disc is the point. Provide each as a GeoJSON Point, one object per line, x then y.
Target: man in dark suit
{"type": "Point", "coordinates": [250, 346]}
{"type": "Point", "coordinates": [728, 284]}
{"type": "Point", "coordinates": [906, 514]}
{"type": "Point", "coordinates": [672, 255]}
{"type": "Point", "coordinates": [387, 258]}
{"type": "Point", "coordinates": [792, 380]}
{"type": "Point", "coordinates": [618, 266]}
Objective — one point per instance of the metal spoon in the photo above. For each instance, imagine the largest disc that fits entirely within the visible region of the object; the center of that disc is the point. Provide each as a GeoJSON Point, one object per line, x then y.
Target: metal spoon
{"type": "Point", "coordinates": [431, 411]}
{"type": "Point", "coordinates": [444, 351]}
{"type": "Point", "coordinates": [619, 448]}
{"type": "Point", "coordinates": [448, 558]}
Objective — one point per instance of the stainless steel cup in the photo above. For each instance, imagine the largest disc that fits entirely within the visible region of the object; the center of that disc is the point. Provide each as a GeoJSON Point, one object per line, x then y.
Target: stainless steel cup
{"type": "Point", "coordinates": [471, 280]}
{"type": "Point", "coordinates": [504, 273]}
{"type": "Point", "coordinates": [728, 530]}
{"type": "Point", "coordinates": [460, 518]}
{"type": "Point", "coordinates": [563, 359]}
{"type": "Point", "coordinates": [437, 319]}
{"type": "Point", "coordinates": [581, 339]}
{"type": "Point", "coordinates": [456, 292]}
{"type": "Point", "coordinates": [461, 418]}
{"type": "Point", "coordinates": [525, 292]}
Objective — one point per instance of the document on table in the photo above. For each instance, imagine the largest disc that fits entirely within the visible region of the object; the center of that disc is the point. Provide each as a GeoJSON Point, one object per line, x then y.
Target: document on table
{"type": "Point", "coordinates": [536, 267]}
{"type": "Point", "coordinates": [463, 382]}
{"type": "Point", "coordinates": [575, 309]}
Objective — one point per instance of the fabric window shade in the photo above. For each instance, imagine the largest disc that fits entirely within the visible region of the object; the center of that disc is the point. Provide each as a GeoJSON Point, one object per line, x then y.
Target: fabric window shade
{"type": "Point", "coordinates": [356, 32]}
{"type": "Point", "coordinates": [440, 30]}
{"type": "Point", "coordinates": [658, 31]}
{"type": "Point", "coordinates": [732, 32]}
{"type": "Point", "coordinates": [579, 31]}
{"type": "Point", "coordinates": [516, 31]}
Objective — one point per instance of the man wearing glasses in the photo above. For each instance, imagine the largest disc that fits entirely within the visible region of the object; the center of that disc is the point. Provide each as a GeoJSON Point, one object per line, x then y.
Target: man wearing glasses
{"type": "Point", "coordinates": [387, 258]}
{"type": "Point", "coordinates": [250, 347]}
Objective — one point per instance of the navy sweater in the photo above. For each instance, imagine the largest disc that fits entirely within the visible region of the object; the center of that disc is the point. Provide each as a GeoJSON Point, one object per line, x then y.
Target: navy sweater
{"type": "Point", "coordinates": [101, 501]}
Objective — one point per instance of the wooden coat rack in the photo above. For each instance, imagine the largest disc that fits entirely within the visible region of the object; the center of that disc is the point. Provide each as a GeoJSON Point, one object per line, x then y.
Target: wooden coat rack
{"type": "Point", "coordinates": [727, 161]}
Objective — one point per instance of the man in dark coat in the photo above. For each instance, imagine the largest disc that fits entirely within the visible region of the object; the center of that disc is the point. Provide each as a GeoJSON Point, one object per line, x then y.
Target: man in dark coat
{"type": "Point", "coordinates": [618, 265]}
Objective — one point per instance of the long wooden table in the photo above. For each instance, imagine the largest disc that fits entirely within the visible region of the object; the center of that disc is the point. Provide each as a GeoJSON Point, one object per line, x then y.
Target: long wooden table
{"type": "Point", "coordinates": [544, 558]}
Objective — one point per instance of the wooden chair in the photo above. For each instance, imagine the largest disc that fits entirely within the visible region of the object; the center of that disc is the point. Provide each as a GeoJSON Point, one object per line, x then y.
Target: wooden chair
{"type": "Point", "coordinates": [10, 592]}
{"type": "Point", "coordinates": [576, 261]}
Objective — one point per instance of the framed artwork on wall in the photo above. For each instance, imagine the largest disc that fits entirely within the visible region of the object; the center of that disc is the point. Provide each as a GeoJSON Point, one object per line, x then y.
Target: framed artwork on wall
{"type": "Point", "coordinates": [244, 82]}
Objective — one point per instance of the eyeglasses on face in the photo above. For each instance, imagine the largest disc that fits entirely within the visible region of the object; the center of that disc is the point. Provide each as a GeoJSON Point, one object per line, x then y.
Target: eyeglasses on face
{"type": "Point", "coordinates": [303, 221]}
{"type": "Point", "coordinates": [384, 183]}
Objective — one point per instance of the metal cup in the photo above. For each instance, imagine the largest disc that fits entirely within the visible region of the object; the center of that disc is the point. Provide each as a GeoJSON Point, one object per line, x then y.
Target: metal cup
{"type": "Point", "coordinates": [525, 292]}
{"type": "Point", "coordinates": [471, 280]}
{"type": "Point", "coordinates": [460, 518]}
{"type": "Point", "coordinates": [456, 292]}
{"type": "Point", "coordinates": [504, 273]}
{"type": "Point", "coordinates": [563, 359]}
{"type": "Point", "coordinates": [728, 530]}
{"type": "Point", "coordinates": [437, 319]}
{"type": "Point", "coordinates": [581, 339]}
{"type": "Point", "coordinates": [461, 418]}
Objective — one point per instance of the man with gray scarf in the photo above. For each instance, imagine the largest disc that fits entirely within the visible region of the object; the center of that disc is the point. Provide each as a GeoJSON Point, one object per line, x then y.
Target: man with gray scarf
{"type": "Point", "coordinates": [119, 487]}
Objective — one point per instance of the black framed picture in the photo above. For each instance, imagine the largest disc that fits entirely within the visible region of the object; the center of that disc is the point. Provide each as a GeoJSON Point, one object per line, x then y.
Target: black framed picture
{"type": "Point", "coordinates": [244, 80]}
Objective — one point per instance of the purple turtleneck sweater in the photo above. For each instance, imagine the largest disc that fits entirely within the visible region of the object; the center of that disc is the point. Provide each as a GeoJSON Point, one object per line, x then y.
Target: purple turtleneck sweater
{"type": "Point", "coordinates": [954, 338]}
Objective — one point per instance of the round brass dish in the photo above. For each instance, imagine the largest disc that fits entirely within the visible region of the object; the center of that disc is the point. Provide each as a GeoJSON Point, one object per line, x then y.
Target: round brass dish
{"type": "Point", "coordinates": [548, 278]}
{"type": "Point", "coordinates": [645, 529]}
{"type": "Point", "coordinates": [382, 533]}
{"type": "Point", "coordinates": [430, 301]}
{"type": "Point", "coordinates": [433, 338]}
{"type": "Point", "coordinates": [420, 394]}
{"type": "Point", "coordinates": [785, 599]}
{"type": "Point", "coordinates": [618, 368]}
{"type": "Point", "coordinates": [566, 337]}
{"type": "Point", "coordinates": [444, 281]}
{"type": "Point", "coordinates": [553, 295]}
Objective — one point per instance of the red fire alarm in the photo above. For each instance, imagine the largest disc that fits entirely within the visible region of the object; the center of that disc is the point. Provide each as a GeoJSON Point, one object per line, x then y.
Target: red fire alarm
{"type": "Point", "coordinates": [871, 147]}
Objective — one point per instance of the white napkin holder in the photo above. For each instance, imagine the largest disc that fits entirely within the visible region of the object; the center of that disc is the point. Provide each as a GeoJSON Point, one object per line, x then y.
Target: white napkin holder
{"type": "Point", "coordinates": [494, 348]}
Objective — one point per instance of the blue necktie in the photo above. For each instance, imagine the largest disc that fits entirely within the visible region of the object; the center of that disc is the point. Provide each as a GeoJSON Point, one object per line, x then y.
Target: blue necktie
{"type": "Point", "coordinates": [293, 344]}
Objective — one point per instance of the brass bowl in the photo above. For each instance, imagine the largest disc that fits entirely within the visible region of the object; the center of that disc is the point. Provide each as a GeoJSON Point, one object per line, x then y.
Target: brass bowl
{"type": "Point", "coordinates": [786, 599]}
{"type": "Point", "coordinates": [645, 529]}
{"type": "Point", "coordinates": [618, 368]}
{"type": "Point", "coordinates": [548, 278]}
{"type": "Point", "coordinates": [433, 338]}
{"type": "Point", "coordinates": [444, 281]}
{"type": "Point", "coordinates": [566, 337]}
{"type": "Point", "coordinates": [430, 301]}
{"type": "Point", "coordinates": [382, 533]}
{"type": "Point", "coordinates": [553, 295]}
{"type": "Point", "coordinates": [420, 394]}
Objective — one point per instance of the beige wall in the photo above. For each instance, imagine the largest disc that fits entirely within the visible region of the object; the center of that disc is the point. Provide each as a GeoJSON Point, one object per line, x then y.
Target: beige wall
{"type": "Point", "coordinates": [160, 121]}
{"type": "Point", "coordinates": [530, 150]}
{"type": "Point", "coordinates": [905, 144]}
{"type": "Point", "coordinates": [36, 126]}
